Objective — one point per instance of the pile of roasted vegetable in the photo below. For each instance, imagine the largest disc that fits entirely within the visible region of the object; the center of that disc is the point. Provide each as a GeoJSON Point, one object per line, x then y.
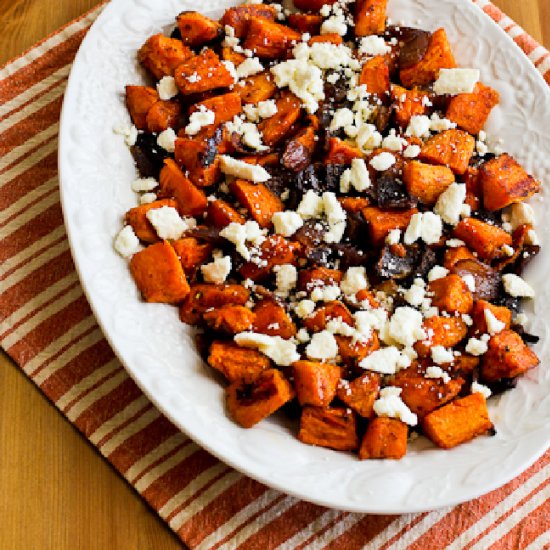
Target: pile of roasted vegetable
{"type": "Point", "coordinates": [317, 193]}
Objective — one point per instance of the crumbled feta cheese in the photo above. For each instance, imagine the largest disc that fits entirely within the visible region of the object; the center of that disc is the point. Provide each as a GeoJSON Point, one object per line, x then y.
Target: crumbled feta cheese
{"type": "Point", "coordinates": [532, 238]}
{"type": "Point", "coordinates": [126, 242]}
{"type": "Point", "coordinates": [392, 142]}
{"type": "Point", "coordinates": [494, 325]}
{"type": "Point", "coordinates": [322, 346]}
{"type": "Point", "coordinates": [267, 108]}
{"type": "Point", "coordinates": [517, 287]}
{"type": "Point", "coordinates": [385, 361]}
{"type": "Point", "coordinates": [521, 319]}
{"type": "Point", "coordinates": [130, 134]}
{"type": "Point", "coordinates": [426, 226]}
{"type": "Point", "coordinates": [394, 236]}
{"type": "Point", "coordinates": [230, 66]}
{"type": "Point", "coordinates": [168, 224]}
{"type": "Point", "coordinates": [244, 170]}
{"type": "Point", "coordinates": [304, 308]}
{"type": "Point", "coordinates": [438, 124]}
{"type": "Point", "coordinates": [480, 388]}
{"type": "Point", "coordinates": [508, 250]}
{"type": "Point", "coordinates": [249, 67]}
{"type": "Point", "coordinates": [373, 45]}
{"type": "Point", "coordinates": [412, 151]}
{"type": "Point", "coordinates": [166, 88]}
{"type": "Point", "coordinates": [450, 202]}
{"type": "Point", "coordinates": [147, 198]}
{"type": "Point", "coordinates": [286, 277]}
{"type": "Point", "coordinates": [331, 56]}
{"type": "Point", "coordinates": [281, 352]}
{"type": "Point", "coordinates": [336, 218]}
{"type": "Point", "coordinates": [521, 214]}
{"type": "Point", "coordinates": [311, 206]}
{"type": "Point", "coordinates": [327, 293]}
{"type": "Point", "coordinates": [252, 114]}
{"type": "Point", "coordinates": [383, 161]}
{"type": "Point", "coordinates": [342, 118]}
{"type": "Point", "coordinates": [391, 405]}
{"type": "Point", "coordinates": [367, 321]}
{"type": "Point", "coordinates": [199, 119]}
{"type": "Point", "coordinates": [416, 293]}
{"type": "Point", "coordinates": [437, 272]}
{"type": "Point", "coordinates": [167, 140]}
{"type": "Point", "coordinates": [476, 347]}
{"type": "Point", "coordinates": [456, 81]}
{"type": "Point", "coordinates": [217, 271]}
{"type": "Point", "coordinates": [405, 326]}
{"type": "Point", "coordinates": [239, 234]}
{"type": "Point", "coordinates": [438, 372]}
{"type": "Point", "coordinates": [287, 223]}
{"type": "Point", "coordinates": [251, 136]}
{"type": "Point", "coordinates": [455, 243]}
{"type": "Point", "coordinates": [354, 280]}
{"type": "Point", "coordinates": [441, 355]}
{"type": "Point", "coordinates": [470, 282]}
{"type": "Point", "coordinates": [303, 336]}
{"type": "Point", "coordinates": [419, 126]}
{"type": "Point", "coordinates": [368, 138]}
{"type": "Point", "coordinates": [335, 25]}
{"type": "Point", "coordinates": [144, 184]}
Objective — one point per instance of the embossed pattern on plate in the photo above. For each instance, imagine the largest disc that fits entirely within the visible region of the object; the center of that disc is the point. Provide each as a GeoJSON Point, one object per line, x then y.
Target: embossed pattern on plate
{"type": "Point", "coordinates": [96, 170]}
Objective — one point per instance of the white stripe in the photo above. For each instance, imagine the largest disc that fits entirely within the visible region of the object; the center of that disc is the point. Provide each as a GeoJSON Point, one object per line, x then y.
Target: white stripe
{"type": "Point", "coordinates": [192, 488]}
{"type": "Point", "coordinates": [56, 79]}
{"type": "Point", "coordinates": [537, 53]}
{"type": "Point", "coordinates": [201, 502]}
{"type": "Point", "coordinates": [35, 53]}
{"type": "Point", "coordinates": [159, 452]}
{"type": "Point", "coordinates": [165, 466]}
{"type": "Point", "coordinates": [391, 530]}
{"type": "Point", "coordinates": [337, 530]}
{"type": "Point", "coordinates": [242, 516]}
{"type": "Point", "coordinates": [37, 302]}
{"type": "Point", "coordinates": [544, 67]}
{"type": "Point", "coordinates": [42, 315]}
{"type": "Point", "coordinates": [130, 410]}
{"type": "Point", "coordinates": [93, 397]}
{"type": "Point", "coordinates": [506, 22]}
{"type": "Point", "coordinates": [53, 349]}
{"type": "Point", "coordinates": [512, 520]}
{"type": "Point", "coordinates": [514, 32]}
{"type": "Point", "coordinates": [501, 508]}
{"type": "Point", "coordinates": [543, 541]}
{"type": "Point", "coordinates": [80, 388]}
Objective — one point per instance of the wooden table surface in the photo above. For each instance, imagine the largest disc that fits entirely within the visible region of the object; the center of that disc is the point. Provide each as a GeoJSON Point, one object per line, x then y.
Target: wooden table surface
{"type": "Point", "coordinates": [56, 492]}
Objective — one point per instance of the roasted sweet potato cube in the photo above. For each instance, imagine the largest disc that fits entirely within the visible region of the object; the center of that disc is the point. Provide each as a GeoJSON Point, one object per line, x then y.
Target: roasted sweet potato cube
{"type": "Point", "coordinates": [426, 182]}
{"type": "Point", "coordinates": [504, 182]}
{"type": "Point", "coordinates": [274, 129]}
{"type": "Point", "coordinates": [508, 356]}
{"type": "Point", "coordinates": [137, 218]}
{"type": "Point", "coordinates": [503, 314]}
{"type": "Point", "coordinates": [340, 152]}
{"type": "Point", "coordinates": [269, 40]}
{"type": "Point", "coordinates": [441, 331]}
{"type": "Point", "coordinates": [315, 277]}
{"type": "Point", "coordinates": [162, 55]}
{"type": "Point", "coordinates": [275, 250]}
{"type": "Point", "coordinates": [361, 393]}
{"type": "Point", "coordinates": [299, 150]}
{"type": "Point", "coordinates": [354, 205]}
{"type": "Point", "coordinates": [221, 214]}
{"type": "Point", "coordinates": [229, 319]}
{"type": "Point", "coordinates": [366, 295]}
{"type": "Point", "coordinates": [408, 103]}
{"type": "Point", "coordinates": [270, 318]}
{"type": "Point", "coordinates": [463, 365]}
{"type": "Point", "coordinates": [384, 438]}
{"type": "Point", "coordinates": [375, 75]}
{"type": "Point", "coordinates": [158, 274]}
{"type": "Point", "coordinates": [309, 23]}
{"type": "Point", "coordinates": [370, 17]}
{"type": "Point", "coordinates": [330, 38]}
{"type": "Point", "coordinates": [225, 107]}
{"type": "Point", "coordinates": [173, 183]}
{"type": "Point", "coordinates": [204, 297]}
{"type": "Point", "coordinates": [483, 238]}
{"type": "Point", "coordinates": [191, 252]}
{"type": "Point", "coordinates": [382, 221]}
{"type": "Point", "coordinates": [452, 148]}
{"type": "Point", "coordinates": [471, 111]}
{"type": "Point", "coordinates": [315, 383]}
{"type": "Point", "coordinates": [318, 320]}
{"type": "Point", "coordinates": [229, 54]}
{"type": "Point", "coordinates": [196, 29]}
{"type": "Point", "coordinates": [451, 294]}
{"type": "Point", "coordinates": [239, 16]}
{"type": "Point", "coordinates": [455, 255]}
{"type": "Point", "coordinates": [473, 188]}
{"type": "Point", "coordinates": [487, 279]}
{"type": "Point", "coordinates": [334, 428]}
{"type": "Point", "coordinates": [139, 100]}
{"type": "Point", "coordinates": [199, 161]}
{"type": "Point", "coordinates": [250, 402]}
{"type": "Point", "coordinates": [237, 364]}
{"type": "Point", "coordinates": [353, 352]}
{"type": "Point", "coordinates": [256, 88]}
{"type": "Point", "coordinates": [458, 422]}
{"type": "Point", "coordinates": [438, 56]}
{"type": "Point", "coordinates": [163, 115]}
{"type": "Point", "coordinates": [202, 73]}
{"type": "Point", "coordinates": [260, 202]}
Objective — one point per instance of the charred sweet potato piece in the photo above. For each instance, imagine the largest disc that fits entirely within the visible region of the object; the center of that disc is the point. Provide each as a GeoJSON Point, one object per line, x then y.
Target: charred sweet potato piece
{"type": "Point", "coordinates": [473, 188]}
{"type": "Point", "coordinates": [334, 428]}
{"type": "Point", "coordinates": [508, 356]}
{"type": "Point", "coordinates": [260, 202]}
{"type": "Point", "coordinates": [239, 16]}
{"type": "Point", "coordinates": [275, 250]}
{"type": "Point", "coordinates": [441, 331]}
{"type": "Point", "coordinates": [340, 152]}
{"type": "Point", "coordinates": [370, 17]}
{"type": "Point", "coordinates": [408, 103]}
{"type": "Point", "coordinates": [225, 107]}
{"type": "Point", "coordinates": [504, 182]}
{"type": "Point", "coordinates": [458, 422]}
{"type": "Point", "coordinates": [375, 75]}
{"type": "Point", "coordinates": [237, 364]}
{"type": "Point", "coordinates": [229, 54]}
{"type": "Point", "coordinates": [464, 365]}
{"type": "Point", "coordinates": [306, 22]}
{"type": "Point", "coordinates": [381, 222]}
{"type": "Point", "coordinates": [354, 352]}
{"type": "Point", "coordinates": [455, 255]}
{"type": "Point", "coordinates": [202, 73]}
{"type": "Point", "coordinates": [384, 438]}
{"type": "Point", "coordinates": [331, 38]}
{"type": "Point", "coordinates": [438, 56]}
{"type": "Point", "coordinates": [208, 296]}
{"type": "Point", "coordinates": [256, 88]}
{"type": "Point", "coordinates": [315, 383]}
{"type": "Point", "coordinates": [299, 150]}
{"type": "Point", "coordinates": [139, 100]}
{"type": "Point", "coordinates": [197, 29]}
{"type": "Point", "coordinates": [426, 182]}
{"type": "Point", "coordinates": [163, 115]}
{"type": "Point", "coordinates": [274, 129]}
{"type": "Point", "coordinates": [354, 205]}
{"type": "Point", "coordinates": [315, 277]}
{"type": "Point", "coordinates": [191, 252]}
{"type": "Point", "coordinates": [137, 218]}
{"type": "Point", "coordinates": [221, 214]}
{"type": "Point", "coordinates": [471, 111]}
{"type": "Point", "coordinates": [452, 148]}
{"type": "Point", "coordinates": [230, 319]}
{"type": "Point", "coordinates": [361, 393]}
{"type": "Point", "coordinates": [173, 183]}
{"type": "Point", "coordinates": [503, 314]}
{"type": "Point", "coordinates": [193, 155]}
{"type": "Point", "coordinates": [485, 239]}
{"type": "Point", "coordinates": [158, 274]}
{"type": "Point", "coordinates": [318, 320]}
{"type": "Point", "coordinates": [162, 55]}
{"type": "Point", "coordinates": [487, 280]}
{"type": "Point", "coordinates": [250, 402]}
{"type": "Point", "coordinates": [269, 40]}
{"type": "Point", "coordinates": [451, 294]}
{"type": "Point", "coordinates": [270, 318]}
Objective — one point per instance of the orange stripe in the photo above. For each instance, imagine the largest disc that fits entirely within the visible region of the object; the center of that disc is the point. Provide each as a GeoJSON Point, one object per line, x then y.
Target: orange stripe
{"type": "Point", "coordinates": [361, 532]}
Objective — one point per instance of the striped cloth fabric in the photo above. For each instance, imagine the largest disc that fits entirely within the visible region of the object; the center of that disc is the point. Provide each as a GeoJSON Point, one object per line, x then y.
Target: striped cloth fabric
{"type": "Point", "coordinates": [47, 327]}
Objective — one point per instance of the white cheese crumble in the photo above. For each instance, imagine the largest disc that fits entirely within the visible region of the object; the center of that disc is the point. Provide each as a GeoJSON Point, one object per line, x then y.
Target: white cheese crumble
{"type": "Point", "coordinates": [412, 151]}
{"type": "Point", "coordinates": [167, 140]}
{"type": "Point", "coordinates": [517, 287]}
{"type": "Point", "coordinates": [437, 372]}
{"type": "Point", "coordinates": [373, 45]}
{"type": "Point", "coordinates": [391, 405]}
{"type": "Point", "coordinates": [322, 346]}
{"type": "Point", "coordinates": [147, 198]}
{"type": "Point", "coordinates": [304, 308]}
{"type": "Point", "coordinates": [480, 388]}
{"type": "Point", "coordinates": [311, 206]}
{"type": "Point", "coordinates": [168, 223]}
{"type": "Point", "coordinates": [167, 88]}
{"type": "Point", "coordinates": [393, 142]}
{"type": "Point", "coordinates": [327, 293]}
{"type": "Point", "coordinates": [342, 118]}
{"type": "Point", "coordinates": [130, 134]}
{"type": "Point", "coordinates": [456, 81]}
{"type": "Point", "coordinates": [521, 214]}
{"type": "Point", "coordinates": [144, 184]}
{"type": "Point", "coordinates": [354, 280]}
{"type": "Point", "coordinates": [335, 24]}
{"type": "Point", "coordinates": [416, 293]}
{"type": "Point", "coordinates": [249, 67]}
{"type": "Point", "coordinates": [244, 170]}
{"type": "Point", "coordinates": [470, 282]}
{"type": "Point", "coordinates": [368, 138]}
{"type": "Point", "coordinates": [419, 126]}
{"type": "Point", "coordinates": [477, 346]}
{"type": "Point", "coordinates": [385, 361]}
{"type": "Point", "coordinates": [217, 271]}
{"type": "Point", "coordinates": [382, 161]}
{"type": "Point", "coordinates": [267, 108]}
{"type": "Point", "coordinates": [126, 242]}
{"type": "Point", "coordinates": [405, 326]}
{"type": "Point", "coordinates": [437, 272]}
{"type": "Point", "coordinates": [336, 217]}
{"type": "Point", "coordinates": [357, 177]}
{"type": "Point", "coordinates": [450, 203]}
{"type": "Point", "coordinates": [239, 234]}
{"type": "Point", "coordinates": [286, 277]}
{"type": "Point", "coordinates": [199, 119]}
{"type": "Point", "coordinates": [282, 352]}
{"type": "Point", "coordinates": [394, 236]}
{"type": "Point", "coordinates": [287, 223]}
{"type": "Point", "coordinates": [438, 124]}
{"type": "Point", "coordinates": [441, 355]}
{"type": "Point", "coordinates": [426, 226]}
{"type": "Point", "coordinates": [494, 325]}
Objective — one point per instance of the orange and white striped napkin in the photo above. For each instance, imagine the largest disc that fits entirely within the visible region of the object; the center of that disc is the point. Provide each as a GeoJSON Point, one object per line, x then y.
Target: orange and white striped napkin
{"type": "Point", "coordinates": [47, 327]}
